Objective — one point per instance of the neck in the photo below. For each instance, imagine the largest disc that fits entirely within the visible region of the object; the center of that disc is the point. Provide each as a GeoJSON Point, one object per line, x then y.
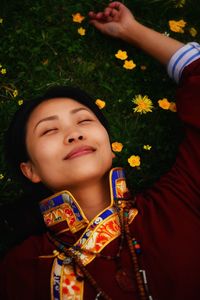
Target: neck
{"type": "Point", "coordinates": [94, 197]}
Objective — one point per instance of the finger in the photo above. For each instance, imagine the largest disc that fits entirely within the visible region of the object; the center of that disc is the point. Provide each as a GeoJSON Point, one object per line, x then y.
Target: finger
{"type": "Point", "coordinates": [107, 11]}
{"type": "Point", "coordinates": [108, 19]}
{"type": "Point", "coordinates": [111, 14]}
{"type": "Point", "coordinates": [98, 16]}
{"type": "Point", "coordinates": [115, 4]}
{"type": "Point", "coordinates": [91, 14]}
{"type": "Point", "coordinates": [114, 13]}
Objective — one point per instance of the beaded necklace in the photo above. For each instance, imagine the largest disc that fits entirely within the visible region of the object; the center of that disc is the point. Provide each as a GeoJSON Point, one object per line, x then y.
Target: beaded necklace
{"type": "Point", "coordinates": [123, 280]}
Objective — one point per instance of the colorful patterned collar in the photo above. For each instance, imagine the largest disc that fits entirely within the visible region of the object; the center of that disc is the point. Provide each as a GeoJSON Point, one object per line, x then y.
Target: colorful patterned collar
{"type": "Point", "coordinates": [61, 211]}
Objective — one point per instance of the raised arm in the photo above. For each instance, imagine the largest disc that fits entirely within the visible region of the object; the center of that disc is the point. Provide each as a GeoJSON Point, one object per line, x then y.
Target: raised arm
{"type": "Point", "coordinates": [118, 21]}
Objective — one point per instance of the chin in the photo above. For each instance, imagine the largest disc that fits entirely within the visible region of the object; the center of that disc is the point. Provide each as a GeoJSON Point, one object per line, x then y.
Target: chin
{"type": "Point", "coordinates": [88, 174]}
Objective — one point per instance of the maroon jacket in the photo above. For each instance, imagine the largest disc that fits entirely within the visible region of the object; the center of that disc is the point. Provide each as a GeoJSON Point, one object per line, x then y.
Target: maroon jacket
{"type": "Point", "coordinates": [168, 226]}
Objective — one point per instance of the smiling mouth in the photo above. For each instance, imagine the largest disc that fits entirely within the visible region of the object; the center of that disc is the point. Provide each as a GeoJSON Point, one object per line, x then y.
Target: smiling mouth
{"type": "Point", "coordinates": [79, 152]}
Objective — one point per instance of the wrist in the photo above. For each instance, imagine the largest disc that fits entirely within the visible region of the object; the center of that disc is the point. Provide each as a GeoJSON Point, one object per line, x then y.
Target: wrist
{"type": "Point", "coordinates": [132, 32]}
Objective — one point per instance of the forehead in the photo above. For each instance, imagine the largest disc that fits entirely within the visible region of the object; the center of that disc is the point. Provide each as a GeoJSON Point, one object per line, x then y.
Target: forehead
{"type": "Point", "coordinates": [57, 105]}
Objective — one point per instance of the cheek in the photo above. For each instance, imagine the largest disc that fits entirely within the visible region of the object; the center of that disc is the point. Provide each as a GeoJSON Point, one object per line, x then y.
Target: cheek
{"type": "Point", "coordinates": [101, 135]}
{"type": "Point", "coordinates": [105, 145]}
{"type": "Point", "coordinates": [43, 150]}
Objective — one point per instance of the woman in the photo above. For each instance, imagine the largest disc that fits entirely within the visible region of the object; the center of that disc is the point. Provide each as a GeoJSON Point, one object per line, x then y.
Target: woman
{"type": "Point", "coordinates": [91, 248]}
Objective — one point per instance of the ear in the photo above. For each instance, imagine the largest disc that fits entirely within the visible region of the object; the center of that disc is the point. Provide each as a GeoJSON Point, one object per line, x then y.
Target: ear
{"type": "Point", "coordinates": [113, 155]}
{"type": "Point", "coordinates": [27, 169]}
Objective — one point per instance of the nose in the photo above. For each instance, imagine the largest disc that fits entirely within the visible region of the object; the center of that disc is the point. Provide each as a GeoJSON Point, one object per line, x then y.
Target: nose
{"type": "Point", "coordinates": [73, 137]}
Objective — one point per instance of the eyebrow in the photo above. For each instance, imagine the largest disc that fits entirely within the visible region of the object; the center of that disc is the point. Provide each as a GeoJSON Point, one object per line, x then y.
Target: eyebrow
{"type": "Point", "coordinates": [55, 117]}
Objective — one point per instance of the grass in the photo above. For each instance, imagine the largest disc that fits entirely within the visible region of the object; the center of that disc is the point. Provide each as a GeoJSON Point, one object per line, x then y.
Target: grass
{"type": "Point", "coordinates": [40, 47]}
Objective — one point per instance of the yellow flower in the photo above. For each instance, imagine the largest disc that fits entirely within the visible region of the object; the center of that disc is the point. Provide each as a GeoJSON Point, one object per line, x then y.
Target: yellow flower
{"type": "Point", "coordinates": [1, 20]}
{"type": "Point", "coordinates": [164, 103]}
{"type": "Point", "coordinates": [3, 71]}
{"type": "Point", "coordinates": [144, 104]}
{"type": "Point", "coordinates": [177, 26]}
{"type": "Point", "coordinates": [81, 31]}
{"type": "Point", "coordinates": [78, 18]}
{"type": "Point", "coordinates": [20, 102]}
{"type": "Point", "coordinates": [1, 176]}
{"type": "Point", "coordinates": [129, 64]}
{"type": "Point", "coordinates": [117, 147]}
{"type": "Point", "coordinates": [134, 161]}
{"type": "Point", "coordinates": [147, 147]}
{"type": "Point", "coordinates": [15, 93]}
{"type": "Point", "coordinates": [121, 55]}
{"type": "Point", "coordinates": [172, 107]}
{"type": "Point", "coordinates": [100, 103]}
{"type": "Point", "coordinates": [193, 31]}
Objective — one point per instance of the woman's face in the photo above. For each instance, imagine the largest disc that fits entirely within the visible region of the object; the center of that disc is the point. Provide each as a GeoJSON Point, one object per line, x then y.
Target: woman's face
{"type": "Point", "coordinates": [67, 145]}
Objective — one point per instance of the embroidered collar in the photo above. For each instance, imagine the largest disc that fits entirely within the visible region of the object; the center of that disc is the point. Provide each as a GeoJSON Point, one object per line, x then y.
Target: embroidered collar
{"type": "Point", "coordinates": [61, 211]}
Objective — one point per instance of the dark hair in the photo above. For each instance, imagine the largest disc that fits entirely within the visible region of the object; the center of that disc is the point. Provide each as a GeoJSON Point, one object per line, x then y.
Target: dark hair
{"type": "Point", "coordinates": [15, 138]}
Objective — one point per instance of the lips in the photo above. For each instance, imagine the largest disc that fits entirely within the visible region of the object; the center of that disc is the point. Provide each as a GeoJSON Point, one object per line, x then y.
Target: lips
{"type": "Point", "coordinates": [79, 151]}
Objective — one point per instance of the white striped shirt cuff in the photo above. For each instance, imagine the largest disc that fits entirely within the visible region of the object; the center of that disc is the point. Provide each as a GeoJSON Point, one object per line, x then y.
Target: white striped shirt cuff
{"type": "Point", "coordinates": [181, 58]}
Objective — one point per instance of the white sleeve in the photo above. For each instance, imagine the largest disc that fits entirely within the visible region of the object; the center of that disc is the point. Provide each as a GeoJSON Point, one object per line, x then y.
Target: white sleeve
{"type": "Point", "coordinates": [181, 58]}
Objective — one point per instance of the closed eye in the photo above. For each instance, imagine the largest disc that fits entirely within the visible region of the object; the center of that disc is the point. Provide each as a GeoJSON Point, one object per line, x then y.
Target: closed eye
{"type": "Point", "coordinates": [85, 121]}
{"type": "Point", "coordinates": [49, 131]}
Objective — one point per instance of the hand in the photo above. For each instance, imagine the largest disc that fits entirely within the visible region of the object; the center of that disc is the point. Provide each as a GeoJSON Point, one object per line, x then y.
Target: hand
{"type": "Point", "coordinates": [115, 20]}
